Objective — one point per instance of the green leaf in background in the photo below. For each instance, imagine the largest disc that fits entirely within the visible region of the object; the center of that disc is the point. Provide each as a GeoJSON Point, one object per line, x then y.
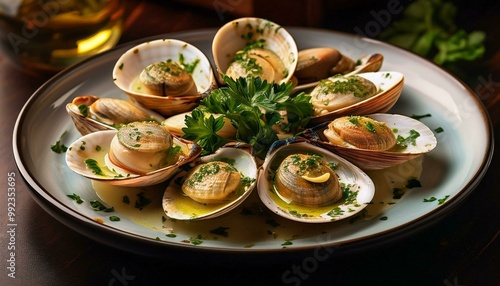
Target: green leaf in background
{"type": "Point", "coordinates": [460, 46]}
{"type": "Point", "coordinates": [428, 28]}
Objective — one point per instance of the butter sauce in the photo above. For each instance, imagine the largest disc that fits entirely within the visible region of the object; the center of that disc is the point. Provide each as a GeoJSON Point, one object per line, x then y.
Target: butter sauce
{"type": "Point", "coordinates": [266, 227]}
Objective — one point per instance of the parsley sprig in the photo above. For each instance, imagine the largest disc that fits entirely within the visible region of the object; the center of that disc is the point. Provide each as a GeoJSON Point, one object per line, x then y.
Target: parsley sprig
{"type": "Point", "coordinates": [254, 107]}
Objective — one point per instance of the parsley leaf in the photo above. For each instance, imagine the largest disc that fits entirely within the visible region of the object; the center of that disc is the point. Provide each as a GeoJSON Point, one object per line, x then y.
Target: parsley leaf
{"type": "Point", "coordinates": [256, 108]}
{"type": "Point", "coordinates": [59, 147]}
{"type": "Point", "coordinates": [203, 130]}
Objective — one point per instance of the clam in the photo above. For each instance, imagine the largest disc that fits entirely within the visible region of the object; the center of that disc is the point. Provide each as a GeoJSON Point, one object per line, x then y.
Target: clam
{"type": "Point", "coordinates": [257, 47]}
{"type": "Point", "coordinates": [168, 76]}
{"type": "Point", "coordinates": [375, 141]}
{"type": "Point", "coordinates": [316, 64]}
{"type": "Point", "coordinates": [320, 186]}
{"type": "Point", "coordinates": [363, 93]}
{"type": "Point", "coordinates": [138, 154]}
{"type": "Point", "coordinates": [91, 113]}
{"type": "Point", "coordinates": [306, 179]}
{"type": "Point", "coordinates": [215, 185]}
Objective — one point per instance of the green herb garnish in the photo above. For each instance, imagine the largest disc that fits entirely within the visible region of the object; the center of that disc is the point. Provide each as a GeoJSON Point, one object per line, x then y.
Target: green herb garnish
{"type": "Point", "coordinates": [413, 183]}
{"type": "Point", "coordinates": [84, 110]}
{"type": "Point", "coordinates": [59, 147]}
{"type": "Point", "coordinates": [76, 198]}
{"type": "Point", "coordinates": [141, 201]}
{"type": "Point", "coordinates": [418, 117]}
{"type": "Point", "coordinates": [253, 107]}
{"type": "Point", "coordinates": [98, 206]}
{"type": "Point", "coordinates": [411, 139]}
{"type": "Point", "coordinates": [439, 130]}
{"type": "Point", "coordinates": [220, 231]}
{"type": "Point", "coordinates": [93, 166]}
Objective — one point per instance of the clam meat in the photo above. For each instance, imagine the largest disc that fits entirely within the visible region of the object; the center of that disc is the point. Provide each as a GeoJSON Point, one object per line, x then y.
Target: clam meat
{"type": "Point", "coordinates": [308, 180]}
{"type": "Point", "coordinates": [374, 141]}
{"type": "Point", "coordinates": [359, 94]}
{"type": "Point", "coordinates": [307, 183]}
{"type": "Point", "coordinates": [138, 154]}
{"type": "Point", "coordinates": [141, 147]}
{"type": "Point", "coordinates": [339, 91]}
{"type": "Point", "coordinates": [215, 184]}
{"type": "Point", "coordinates": [91, 113]}
{"type": "Point", "coordinates": [257, 62]}
{"type": "Point", "coordinates": [360, 132]}
{"type": "Point", "coordinates": [212, 182]}
{"type": "Point", "coordinates": [254, 47]}
{"type": "Point", "coordinates": [167, 78]}
{"type": "Point", "coordinates": [315, 64]}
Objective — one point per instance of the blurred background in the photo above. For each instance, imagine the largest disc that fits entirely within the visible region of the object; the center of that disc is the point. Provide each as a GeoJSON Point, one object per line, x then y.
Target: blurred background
{"type": "Point", "coordinates": [460, 36]}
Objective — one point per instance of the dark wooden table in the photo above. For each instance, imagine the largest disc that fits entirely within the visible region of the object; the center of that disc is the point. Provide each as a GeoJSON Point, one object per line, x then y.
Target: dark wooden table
{"type": "Point", "coordinates": [460, 249]}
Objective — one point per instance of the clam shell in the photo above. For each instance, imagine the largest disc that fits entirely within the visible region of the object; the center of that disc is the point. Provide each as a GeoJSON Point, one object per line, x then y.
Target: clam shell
{"type": "Point", "coordinates": [375, 160]}
{"type": "Point", "coordinates": [357, 193]}
{"type": "Point", "coordinates": [321, 68]}
{"type": "Point", "coordinates": [96, 145]}
{"type": "Point", "coordinates": [178, 206]}
{"type": "Point", "coordinates": [389, 84]}
{"type": "Point", "coordinates": [235, 35]}
{"type": "Point", "coordinates": [88, 124]}
{"type": "Point", "coordinates": [129, 66]}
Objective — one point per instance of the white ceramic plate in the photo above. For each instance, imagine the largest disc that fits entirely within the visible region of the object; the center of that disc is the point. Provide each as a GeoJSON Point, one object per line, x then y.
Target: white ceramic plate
{"type": "Point", "coordinates": [450, 171]}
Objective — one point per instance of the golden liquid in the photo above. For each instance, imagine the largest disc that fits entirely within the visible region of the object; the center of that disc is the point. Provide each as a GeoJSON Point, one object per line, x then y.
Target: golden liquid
{"type": "Point", "coordinates": [255, 228]}
{"type": "Point", "coordinates": [53, 34]}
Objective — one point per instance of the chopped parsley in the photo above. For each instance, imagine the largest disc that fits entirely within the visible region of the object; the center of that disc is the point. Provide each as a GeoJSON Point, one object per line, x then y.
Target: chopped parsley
{"type": "Point", "coordinates": [272, 223]}
{"type": "Point", "coordinates": [418, 117]}
{"type": "Point", "coordinates": [76, 198]}
{"type": "Point", "coordinates": [93, 166]}
{"type": "Point", "coordinates": [141, 201]}
{"type": "Point", "coordinates": [84, 110]}
{"type": "Point", "coordinates": [336, 212]}
{"type": "Point", "coordinates": [188, 67]}
{"type": "Point", "coordinates": [432, 199]}
{"type": "Point", "coordinates": [397, 193]}
{"type": "Point", "coordinates": [59, 147]}
{"type": "Point", "coordinates": [221, 231]}
{"type": "Point", "coordinates": [352, 84]}
{"type": "Point", "coordinates": [114, 218]}
{"type": "Point", "coordinates": [411, 139]}
{"type": "Point", "coordinates": [254, 107]}
{"type": "Point", "coordinates": [370, 127]}
{"type": "Point", "coordinates": [98, 206]}
{"type": "Point", "coordinates": [196, 240]}
{"type": "Point", "coordinates": [413, 183]}
{"type": "Point", "coordinates": [439, 130]}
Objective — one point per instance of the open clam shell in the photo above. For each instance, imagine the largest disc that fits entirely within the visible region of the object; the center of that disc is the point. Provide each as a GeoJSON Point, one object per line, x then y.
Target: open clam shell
{"type": "Point", "coordinates": [95, 146]}
{"type": "Point", "coordinates": [373, 159]}
{"type": "Point", "coordinates": [389, 86]}
{"type": "Point", "coordinates": [235, 35]}
{"type": "Point", "coordinates": [179, 206]}
{"type": "Point", "coordinates": [358, 189]}
{"type": "Point", "coordinates": [315, 64]}
{"type": "Point", "coordinates": [130, 65]}
{"type": "Point", "coordinates": [106, 113]}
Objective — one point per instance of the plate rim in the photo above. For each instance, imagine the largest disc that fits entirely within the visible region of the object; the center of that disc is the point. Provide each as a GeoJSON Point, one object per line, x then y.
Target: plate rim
{"type": "Point", "coordinates": [106, 233]}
